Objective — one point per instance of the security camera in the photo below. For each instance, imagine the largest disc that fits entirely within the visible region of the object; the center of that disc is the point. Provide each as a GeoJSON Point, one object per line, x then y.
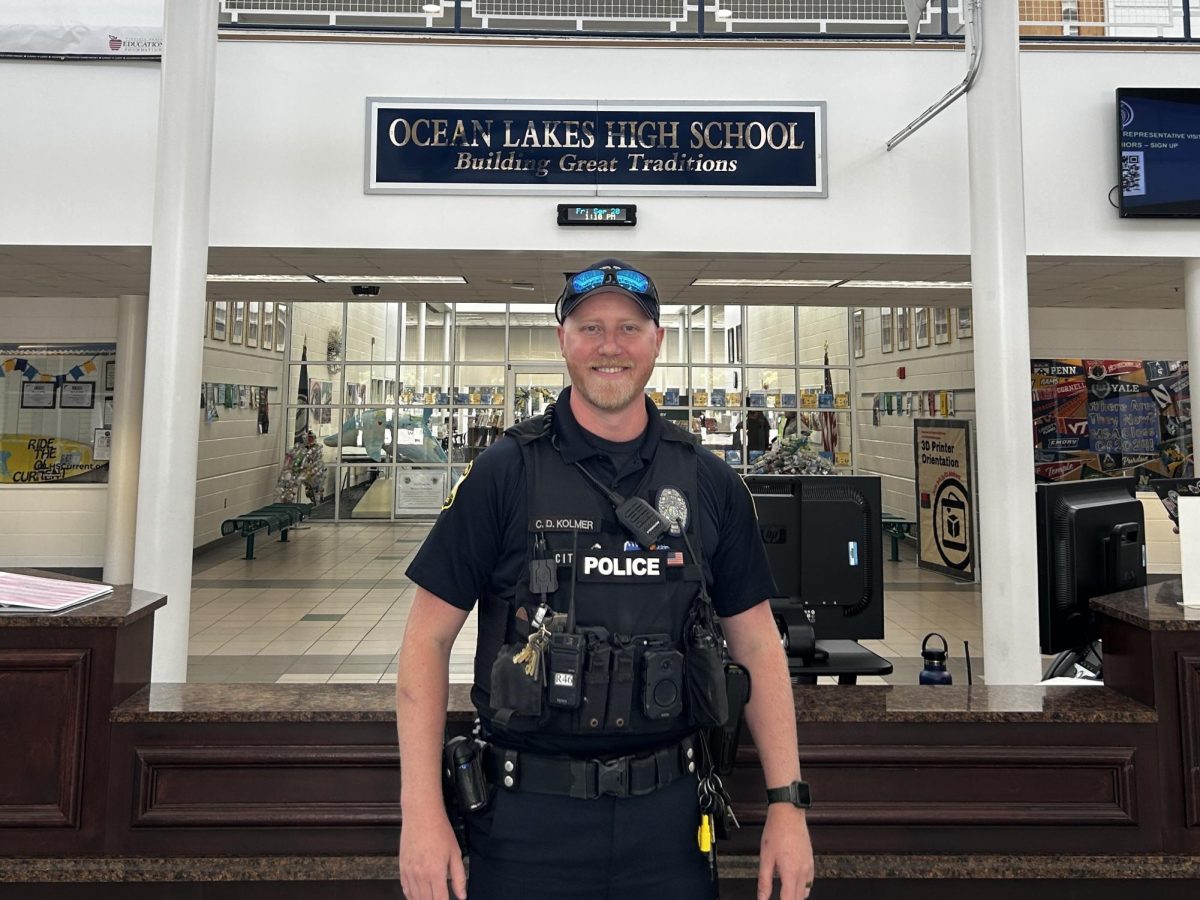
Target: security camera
{"type": "Point", "coordinates": [365, 290]}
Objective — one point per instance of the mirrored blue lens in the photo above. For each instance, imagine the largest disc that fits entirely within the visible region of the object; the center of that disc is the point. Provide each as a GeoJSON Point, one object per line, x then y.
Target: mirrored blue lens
{"type": "Point", "coordinates": [633, 281]}
{"type": "Point", "coordinates": [585, 281]}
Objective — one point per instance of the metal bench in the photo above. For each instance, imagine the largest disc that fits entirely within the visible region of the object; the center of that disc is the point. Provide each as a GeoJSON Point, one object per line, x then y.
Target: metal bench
{"type": "Point", "coordinates": [896, 527]}
{"type": "Point", "coordinates": [273, 517]}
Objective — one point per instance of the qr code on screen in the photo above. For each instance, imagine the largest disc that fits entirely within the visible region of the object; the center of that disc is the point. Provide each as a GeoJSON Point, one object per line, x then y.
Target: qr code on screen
{"type": "Point", "coordinates": [1133, 173]}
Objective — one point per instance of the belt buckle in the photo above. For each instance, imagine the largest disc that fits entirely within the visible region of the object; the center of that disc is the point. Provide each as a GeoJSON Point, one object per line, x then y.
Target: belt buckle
{"type": "Point", "coordinates": [612, 777]}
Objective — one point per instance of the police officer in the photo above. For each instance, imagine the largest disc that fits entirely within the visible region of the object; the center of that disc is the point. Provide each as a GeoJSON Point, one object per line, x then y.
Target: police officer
{"type": "Point", "coordinates": [584, 677]}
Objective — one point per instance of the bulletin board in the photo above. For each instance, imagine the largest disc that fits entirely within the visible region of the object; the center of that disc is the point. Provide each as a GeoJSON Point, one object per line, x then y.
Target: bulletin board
{"type": "Point", "coordinates": [1098, 418]}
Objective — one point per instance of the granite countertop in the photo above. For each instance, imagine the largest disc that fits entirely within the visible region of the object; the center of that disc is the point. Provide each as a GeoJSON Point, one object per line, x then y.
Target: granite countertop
{"type": "Point", "coordinates": [823, 703]}
{"type": "Point", "coordinates": [123, 606]}
{"type": "Point", "coordinates": [743, 868]}
{"type": "Point", "coordinates": [1154, 607]}
{"type": "Point", "coordinates": [978, 703]}
{"type": "Point", "coordinates": [275, 703]}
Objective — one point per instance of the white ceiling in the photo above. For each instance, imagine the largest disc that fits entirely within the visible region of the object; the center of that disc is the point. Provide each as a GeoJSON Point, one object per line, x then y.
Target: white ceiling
{"type": "Point", "coordinates": [1085, 282]}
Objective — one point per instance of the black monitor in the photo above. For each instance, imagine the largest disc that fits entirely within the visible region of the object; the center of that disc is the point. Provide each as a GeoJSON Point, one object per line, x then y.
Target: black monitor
{"type": "Point", "coordinates": [1091, 541]}
{"type": "Point", "coordinates": [831, 574]}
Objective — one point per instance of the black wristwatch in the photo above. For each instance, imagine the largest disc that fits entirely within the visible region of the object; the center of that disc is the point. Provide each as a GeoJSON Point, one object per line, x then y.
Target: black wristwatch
{"type": "Point", "coordinates": [796, 793]}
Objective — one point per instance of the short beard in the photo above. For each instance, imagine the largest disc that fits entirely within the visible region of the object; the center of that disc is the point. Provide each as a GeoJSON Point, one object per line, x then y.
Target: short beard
{"type": "Point", "coordinates": [608, 397]}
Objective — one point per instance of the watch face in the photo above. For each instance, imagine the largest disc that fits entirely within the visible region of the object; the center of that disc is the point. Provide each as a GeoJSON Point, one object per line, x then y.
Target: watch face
{"type": "Point", "coordinates": [673, 505]}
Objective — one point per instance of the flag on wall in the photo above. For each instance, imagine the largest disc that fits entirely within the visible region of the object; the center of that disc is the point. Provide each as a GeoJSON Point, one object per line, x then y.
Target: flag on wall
{"type": "Point", "coordinates": [302, 398]}
{"type": "Point", "coordinates": [829, 426]}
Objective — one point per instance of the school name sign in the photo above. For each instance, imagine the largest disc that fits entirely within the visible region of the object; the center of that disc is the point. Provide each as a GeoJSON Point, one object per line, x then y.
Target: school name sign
{"type": "Point", "coordinates": [594, 149]}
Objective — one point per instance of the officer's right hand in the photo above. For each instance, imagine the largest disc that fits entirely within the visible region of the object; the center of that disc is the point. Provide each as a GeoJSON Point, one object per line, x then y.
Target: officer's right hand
{"type": "Point", "coordinates": [429, 858]}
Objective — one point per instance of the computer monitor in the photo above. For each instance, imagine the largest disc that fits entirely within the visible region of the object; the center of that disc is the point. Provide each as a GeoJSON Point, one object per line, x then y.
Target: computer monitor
{"type": "Point", "coordinates": [837, 556]}
{"type": "Point", "coordinates": [1091, 541]}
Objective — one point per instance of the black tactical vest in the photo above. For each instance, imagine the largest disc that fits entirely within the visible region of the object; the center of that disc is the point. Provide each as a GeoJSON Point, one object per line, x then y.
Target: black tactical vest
{"type": "Point", "coordinates": [630, 603]}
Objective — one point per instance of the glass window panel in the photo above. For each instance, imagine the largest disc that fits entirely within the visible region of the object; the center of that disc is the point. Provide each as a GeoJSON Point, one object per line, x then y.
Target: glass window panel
{"type": "Point", "coordinates": [366, 492]}
{"type": "Point", "coordinates": [770, 335]}
{"type": "Point", "coordinates": [422, 435]}
{"type": "Point", "coordinates": [427, 331]}
{"type": "Point", "coordinates": [369, 385]}
{"type": "Point", "coordinates": [371, 331]}
{"type": "Point", "coordinates": [821, 325]}
{"type": "Point", "coordinates": [533, 332]}
{"type": "Point", "coordinates": [474, 430]}
{"type": "Point", "coordinates": [811, 389]}
{"type": "Point", "coordinates": [478, 385]}
{"type": "Point", "coordinates": [310, 326]}
{"type": "Point", "coordinates": [321, 384]}
{"type": "Point", "coordinates": [479, 332]}
{"type": "Point", "coordinates": [428, 385]}
{"type": "Point", "coordinates": [668, 386]}
{"type": "Point", "coordinates": [707, 327]}
{"type": "Point", "coordinates": [421, 490]}
{"type": "Point", "coordinates": [716, 387]}
{"type": "Point", "coordinates": [771, 388]}
{"type": "Point", "coordinates": [533, 391]}
{"type": "Point", "coordinates": [674, 346]}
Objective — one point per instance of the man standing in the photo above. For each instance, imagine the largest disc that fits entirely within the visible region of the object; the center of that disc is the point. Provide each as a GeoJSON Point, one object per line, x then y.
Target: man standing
{"type": "Point", "coordinates": [590, 537]}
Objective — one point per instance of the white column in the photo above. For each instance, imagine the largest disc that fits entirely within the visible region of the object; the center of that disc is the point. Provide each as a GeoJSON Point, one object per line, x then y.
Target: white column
{"type": "Point", "coordinates": [1000, 300]}
{"type": "Point", "coordinates": [403, 330]}
{"type": "Point", "coordinates": [683, 347]}
{"type": "Point", "coordinates": [128, 395]}
{"type": "Point", "coordinates": [1191, 304]}
{"type": "Point", "coordinates": [446, 319]}
{"type": "Point", "coordinates": [422, 317]}
{"type": "Point", "coordinates": [708, 356]}
{"type": "Point", "coordinates": [174, 335]}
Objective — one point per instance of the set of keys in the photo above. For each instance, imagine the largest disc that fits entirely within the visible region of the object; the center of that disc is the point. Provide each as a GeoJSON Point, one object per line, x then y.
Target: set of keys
{"type": "Point", "coordinates": [716, 819]}
{"type": "Point", "coordinates": [533, 654]}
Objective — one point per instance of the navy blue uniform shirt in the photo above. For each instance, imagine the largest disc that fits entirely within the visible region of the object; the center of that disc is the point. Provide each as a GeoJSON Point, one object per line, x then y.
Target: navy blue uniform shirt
{"type": "Point", "coordinates": [479, 544]}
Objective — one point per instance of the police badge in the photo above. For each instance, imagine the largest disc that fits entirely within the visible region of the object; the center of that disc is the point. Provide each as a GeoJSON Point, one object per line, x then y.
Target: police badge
{"type": "Point", "coordinates": [673, 505]}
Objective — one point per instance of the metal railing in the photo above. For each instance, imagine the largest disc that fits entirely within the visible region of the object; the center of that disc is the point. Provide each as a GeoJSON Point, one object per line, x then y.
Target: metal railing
{"type": "Point", "coordinates": [1090, 20]}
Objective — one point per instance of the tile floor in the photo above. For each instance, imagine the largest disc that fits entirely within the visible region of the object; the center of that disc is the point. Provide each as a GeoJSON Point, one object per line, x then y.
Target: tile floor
{"type": "Point", "coordinates": [330, 604]}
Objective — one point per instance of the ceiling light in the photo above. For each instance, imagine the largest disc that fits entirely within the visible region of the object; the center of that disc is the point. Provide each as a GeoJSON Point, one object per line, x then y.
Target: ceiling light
{"type": "Point", "coordinates": [723, 13]}
{"type": "Point", "coordinates": [392, 279]}
{"type": "Point", "coordinates": [432, 8]}
{"type": "Point", "coordinates": [279, 278]}
{"type": "Point", "coordinates": [763, 282]}
{"type": "Point", "coordinates": [522, 286]}
{"type": "Point", "coordinates": [930, 285]}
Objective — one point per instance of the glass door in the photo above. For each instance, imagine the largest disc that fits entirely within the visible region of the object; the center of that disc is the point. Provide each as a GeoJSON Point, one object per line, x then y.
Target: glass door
{"type": "Point", "coordinates": [530, 387]}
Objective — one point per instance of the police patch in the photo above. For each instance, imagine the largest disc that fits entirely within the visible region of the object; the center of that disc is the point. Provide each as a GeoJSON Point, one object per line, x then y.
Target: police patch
{"type": "Point", "coordinates": [454, 490]}
{"type": "Point", "coordinates": [673, 505]}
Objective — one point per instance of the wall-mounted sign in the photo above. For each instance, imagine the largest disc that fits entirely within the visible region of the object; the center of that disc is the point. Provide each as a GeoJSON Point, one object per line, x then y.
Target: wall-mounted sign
{"type": "Point", "coordinates": [945, 496]}
{"type": "Point", "coordinates": [597, 149]}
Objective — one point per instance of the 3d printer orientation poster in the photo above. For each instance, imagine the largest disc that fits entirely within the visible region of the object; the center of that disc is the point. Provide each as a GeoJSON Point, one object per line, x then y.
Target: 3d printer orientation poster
{"type": "Point", "coordinates": [1096, 418]}
{"type": "Point", "coordinates": [945, 496]}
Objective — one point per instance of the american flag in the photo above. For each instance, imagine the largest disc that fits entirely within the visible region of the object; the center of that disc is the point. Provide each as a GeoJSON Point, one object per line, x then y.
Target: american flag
{"type": "Point", "coordinates": [829, 426]}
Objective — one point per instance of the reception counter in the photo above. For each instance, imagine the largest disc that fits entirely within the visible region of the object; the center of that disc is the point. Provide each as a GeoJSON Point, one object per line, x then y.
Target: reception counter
{"type": "Point", "coordinates": [230, 791]}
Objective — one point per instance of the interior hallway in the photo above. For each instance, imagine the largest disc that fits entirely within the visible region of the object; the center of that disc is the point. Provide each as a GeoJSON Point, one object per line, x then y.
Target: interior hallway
{"type": "Point", "coordinates": [330, 605]}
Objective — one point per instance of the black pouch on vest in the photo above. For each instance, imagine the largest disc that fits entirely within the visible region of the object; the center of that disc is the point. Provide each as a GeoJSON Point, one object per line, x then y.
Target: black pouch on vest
{"type": "Point", "coordinates": [595, 679]}
{"type": "Point", "coordinates": [620, 688]}
{"type": "Point", "coordinates": [513, 691]}
{"type": "Point", "coordinates": [707, 697]}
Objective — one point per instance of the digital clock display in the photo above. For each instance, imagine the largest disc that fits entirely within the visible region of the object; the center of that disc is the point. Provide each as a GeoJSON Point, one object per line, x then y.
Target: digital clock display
{"type": "Point", "coordinates": [571, 214]}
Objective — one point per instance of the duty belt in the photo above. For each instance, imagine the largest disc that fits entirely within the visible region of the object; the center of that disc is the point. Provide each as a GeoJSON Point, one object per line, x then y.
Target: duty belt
{"type": "Point", "coordinates": [587, 779]}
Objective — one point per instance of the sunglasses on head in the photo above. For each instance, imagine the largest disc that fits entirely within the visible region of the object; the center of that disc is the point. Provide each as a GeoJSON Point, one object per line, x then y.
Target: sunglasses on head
{"type": "Point", "coordinates": [630, 279]}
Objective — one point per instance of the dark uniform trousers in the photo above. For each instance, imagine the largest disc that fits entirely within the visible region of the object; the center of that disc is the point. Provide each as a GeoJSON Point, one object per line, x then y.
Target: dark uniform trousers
{"type": "Point", "coordinates": [527, 846]}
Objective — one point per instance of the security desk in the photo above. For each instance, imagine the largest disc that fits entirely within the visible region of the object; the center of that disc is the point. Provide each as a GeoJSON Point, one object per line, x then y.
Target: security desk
{"type": "Point", "coordinates": [845, 659]}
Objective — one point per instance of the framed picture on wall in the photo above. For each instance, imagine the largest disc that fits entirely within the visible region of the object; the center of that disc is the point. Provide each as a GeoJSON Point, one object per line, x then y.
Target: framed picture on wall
{"type": "Point", "coordinates": [857, 337]}
{"type": "Point", "coordinates": [238, 324]}
{"type": "Point", "coordinates": [886, 330]}
{"type": "Point", "coordinates": [281, 329]}
{"type": "Point", "coordinates": [903, 328]}
{"type": "Point", "coordinates": [267, 334]}
{"type": "Point", "coordinates": [962, 322]}
{"type": "Point", "coordinates": [38, 395]}
{"type": "Point", "coordinates": [921, 327]}
{"type": "Point", "coordinates": [219, 313]}
{"type": "Point", "coordinates": [77, 395]}
{"type": "Point", "coordinates": [252, 310]}
{"type": "Point", "coordinates": [941, 325]}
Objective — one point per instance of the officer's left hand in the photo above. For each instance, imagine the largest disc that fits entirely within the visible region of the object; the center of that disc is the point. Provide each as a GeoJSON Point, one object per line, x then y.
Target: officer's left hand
{"type": "Point", "coordinates": [787, 851]}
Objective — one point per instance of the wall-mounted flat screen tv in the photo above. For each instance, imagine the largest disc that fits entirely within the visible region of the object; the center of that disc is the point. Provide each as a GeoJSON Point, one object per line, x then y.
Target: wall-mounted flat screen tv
{"type": "Point", "coordinates": [1159, 138]}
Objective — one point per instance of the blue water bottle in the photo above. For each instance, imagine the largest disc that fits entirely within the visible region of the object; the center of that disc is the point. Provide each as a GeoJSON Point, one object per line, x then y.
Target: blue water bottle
{"type": "Point", "coordinates": [935, 671]}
